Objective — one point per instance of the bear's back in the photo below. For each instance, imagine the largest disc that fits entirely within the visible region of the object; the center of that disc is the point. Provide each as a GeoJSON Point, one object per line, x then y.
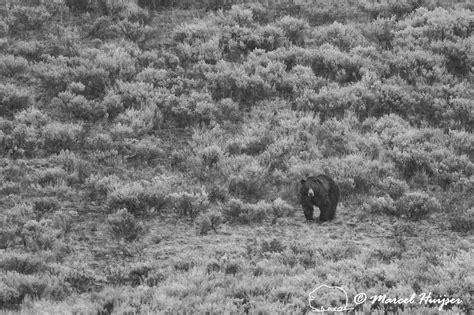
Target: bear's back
{"type": "Point", "coordinates": [327, 183]}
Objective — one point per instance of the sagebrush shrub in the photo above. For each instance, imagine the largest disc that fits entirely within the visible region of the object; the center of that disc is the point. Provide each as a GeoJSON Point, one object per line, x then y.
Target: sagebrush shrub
{"type": "Point", "coordinates": [13, 99]}
{"type": "Point", "coordinates": [15, 287]}
{"type": "Point", "coordinates": [78, 6]}
{"type": "Point", "coordinates": [210, 220]}
{"type": "Point", "coordinates": [203, 225]}
{"type": "Point", "coordinates": [80, 278]}
{"type": "Point", "coordinates": [210, 155]}
{"type": "Point", "coordinates": [32, 117]}
{"type": "Point", "coordinates": [245, 88]}
{"type": "Point", "coordinates": [103, 29]}
{"type": "Point", "coordinates": [217, 193]}
{"type": "Point", "coordinates": [39, 235]}
{"type": "Point", "coordinates": [123, 225]}
{"type": "Point", "coordinates": [233, 208]}
{"type": "Point", "coordinates": [232, 267]}
{"type": "Point", "coordinates": [342, 36]}
{"type": "Point", "coordinates": [157, 77]}
{"type": "Point", "coordinates": [462, 142]}
{"type": "Point", "coordinates": [121, 131]}
{"type": "Point", "coordinates": [270, 37]}
{"type": "Point", "coordinates": [300, 253]}
{"type": "Point", "coordinates": [355, 174]}
{"type": "Point", "coordinates": [155, 277]}
{"type": "Point", "coordinates": [146, 150]}
{"type": "Point", "coordinates": [208, 52]}
{"type": "Point", "coordinates": [237, 211]}
{"type": "Point", "coordinates": [100, 141]}
{"type": "Point", "coordinates": [213, 265]}
{"type": "Point", "coordinates": [227, 110]}
{"type": "Point", "coordinates": [189, 204]}
{"type": "Point", "coordinates": [139, 197]}
{"type": "Point", "coordinates": [140, 121]}
{"type": "Point", "coordinates": [31, 49]}
{"type": "Point", "coordinates": [112, 104]}
{"type": "Point", "coordinates": [51, 177]}
{"type": "Point", "coordinates": [341, 252]}
{"type": "Point", "coordinates": [412, 162]}
{"type": "Point", "coordinates": [329, 62]}
{"type": "Point", "coordinates": [178, 158]}
{"type": "Point", "coordinates": [183, 265]}
{"type": "Point", "coordinates": [9, 188]}
{"type": "Point", "coordinates": [379, 205]}
{"type": "Point", "coordinates": [417, 205]}
{"type": "Point", "coordinates": [12, 222]}
{"type": "Point", "coordinates": [190, 109]}
{"type": "Point", "coordinates": [27, 18]}
{"type": "Point", "coordinates": [64, 220]}
{"type": "Point", "coordinates": [463, 221]}
{"type": "Point", "coordinates": [78, 106]}
{"type": "Point", "coordinates": [100, 186]}
{"type": "Point", "coordinates": [381, 31]}
{"type": "Point", "coordinates": [248, 183]}
{"type": "Point", "coordinates": [281, 208]}
{"type": "Point", "coordinates": [138, 273]}
{"type": "Point", "coordinates": [4, 28]}
{"type": "Point", "coordinates": [11, 65]}
{"type": "Point", "coordinates": [335, 138]}
{"type": "Point", "coordinates": [257, 146]}
{"type": "Point", "coordinates": [136, 95]}
{"type": "Point", "coordinates": [105, 158]}
{"type": "Point", "coordinates": [451, 169]}
{"type": "Point", "coordinates": [9, 297]}
{"type": "Point", "coordinates": [8, 233]}
{"type": "Point", "coordinates": [293, 28]}
{"type": "Point", "coordinates": [58, 136]}
{"type": "Point", "coordinates": [193, 33]}
{"type": "Point", "coordinates": [23, 263]}
{"type": "Point", "coordinates": [45, 205]}
{"type": "Point", "coordinates": [274, 246]}
{"type": "Point", "coordinates": [78, 168]}
{"type": "Point", "coordinates": [395, 188]}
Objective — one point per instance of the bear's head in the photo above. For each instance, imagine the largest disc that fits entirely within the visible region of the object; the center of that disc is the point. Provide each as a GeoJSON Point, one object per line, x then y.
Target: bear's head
{"type": "Point", "coordinates": [307, 188]}
{"type": "Point", "coordinates": [313, 189]}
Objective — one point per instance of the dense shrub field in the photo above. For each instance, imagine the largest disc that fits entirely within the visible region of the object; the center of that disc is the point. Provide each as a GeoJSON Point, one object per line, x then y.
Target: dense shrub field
{"type": "Point", "coordinates": [151, 164]}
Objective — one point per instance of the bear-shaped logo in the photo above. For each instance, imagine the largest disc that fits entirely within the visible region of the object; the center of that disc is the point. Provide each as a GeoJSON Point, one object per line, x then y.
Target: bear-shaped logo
{"type": "Point", "coordinates": [327, 298]}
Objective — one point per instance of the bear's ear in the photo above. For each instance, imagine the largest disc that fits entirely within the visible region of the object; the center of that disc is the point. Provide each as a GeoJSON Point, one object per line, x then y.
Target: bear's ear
{"type": "Point", "coordinates": [303, 181]}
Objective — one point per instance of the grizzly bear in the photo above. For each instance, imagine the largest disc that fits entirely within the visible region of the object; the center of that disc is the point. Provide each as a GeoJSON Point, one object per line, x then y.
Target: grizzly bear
{"type": "Point", "coordinates": [320, 191]}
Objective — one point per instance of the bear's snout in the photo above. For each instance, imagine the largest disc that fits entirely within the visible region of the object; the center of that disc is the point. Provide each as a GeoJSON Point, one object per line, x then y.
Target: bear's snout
{"type": "Point", "coordinates": [311, 193]}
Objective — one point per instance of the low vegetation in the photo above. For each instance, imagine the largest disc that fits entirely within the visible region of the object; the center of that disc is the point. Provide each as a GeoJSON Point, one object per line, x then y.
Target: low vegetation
{"type": "Point", "coordinates": [151, 156]}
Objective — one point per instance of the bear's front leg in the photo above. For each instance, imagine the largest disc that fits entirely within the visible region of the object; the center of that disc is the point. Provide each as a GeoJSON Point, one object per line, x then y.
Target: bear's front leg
{"type": "Point", "coordinates": [324, 213]}
{"type": "Point", "coordinates": [308, 212]}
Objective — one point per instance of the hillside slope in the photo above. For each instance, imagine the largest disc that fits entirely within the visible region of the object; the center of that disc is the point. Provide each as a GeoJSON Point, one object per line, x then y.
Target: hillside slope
{"type": "Point", "coordinates": [150, 160]}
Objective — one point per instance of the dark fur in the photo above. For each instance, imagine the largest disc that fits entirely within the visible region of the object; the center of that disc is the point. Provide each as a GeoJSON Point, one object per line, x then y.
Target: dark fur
{"type": "Point", "coordinates": [326, 197]}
